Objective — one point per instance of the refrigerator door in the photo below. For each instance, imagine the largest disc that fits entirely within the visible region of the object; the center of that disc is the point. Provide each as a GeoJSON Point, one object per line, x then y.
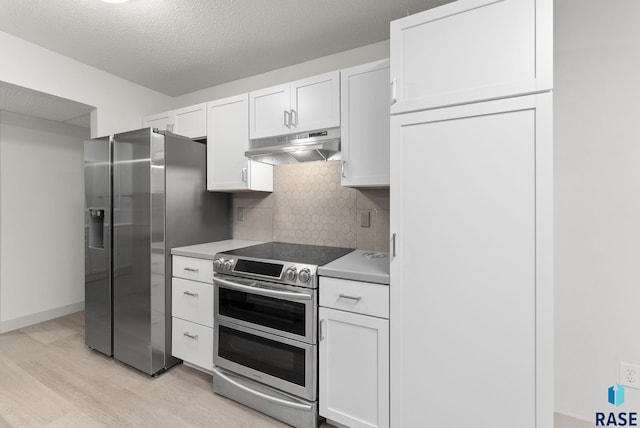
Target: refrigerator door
{"type": "Point", "coordinates": [97, 249]}
{"type": "Point", "coordinates": [138, 243]}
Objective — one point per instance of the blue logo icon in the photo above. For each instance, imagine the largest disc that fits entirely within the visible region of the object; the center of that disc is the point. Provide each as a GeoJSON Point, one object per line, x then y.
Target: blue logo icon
{"type": "Point", "coordinates": [616, 395]}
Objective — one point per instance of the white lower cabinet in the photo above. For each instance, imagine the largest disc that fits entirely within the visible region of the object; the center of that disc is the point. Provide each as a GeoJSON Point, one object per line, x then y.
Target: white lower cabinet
{"type": "Point", "coordinates": [354, 358]}
{"type": "Point", "coordinates": [192, 343]}
{"type": "Point", "coordinates": [192, 311]}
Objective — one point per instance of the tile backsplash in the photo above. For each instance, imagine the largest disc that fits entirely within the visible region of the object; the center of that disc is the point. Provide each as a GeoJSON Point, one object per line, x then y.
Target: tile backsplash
{"type": "Point", "coordinates": [309, 206]}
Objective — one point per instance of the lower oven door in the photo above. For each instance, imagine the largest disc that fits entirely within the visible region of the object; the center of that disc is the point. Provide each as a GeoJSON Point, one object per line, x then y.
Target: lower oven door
{"type": "Point", "coordinates": [285, 364]}
{"type": "Point", "coordinates": [280, 309]}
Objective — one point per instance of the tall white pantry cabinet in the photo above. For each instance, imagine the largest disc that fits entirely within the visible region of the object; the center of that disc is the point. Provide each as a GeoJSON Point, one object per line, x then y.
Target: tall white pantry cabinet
{"type": "Point", "coordinates": [471, 294]}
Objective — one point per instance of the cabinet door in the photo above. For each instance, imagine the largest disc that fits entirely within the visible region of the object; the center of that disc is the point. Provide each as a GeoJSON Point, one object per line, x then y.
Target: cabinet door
{"type": "Point", "coordinates": [471, 50]}
{"type": "Point", "coordinates": [259, 176]}
{"type": "Point", "coordinates": [191, 121]}
{"type": "Point", "coordinates": [227, 140]}
{"type": "Point", "coordinates": [365, 125]}
{"type": "Point", "coordinates": [471, 278]}
{"type": "Point", "coordinates": [354, 369]}
{"type": "Point", "coordinates": [315, 103]}
{"type": "Point", "coordinates": [269, 113]}
{"type": "Point", "coordinates": [163, 121]}
{"type": "Point", "coordinates": [228, 169]}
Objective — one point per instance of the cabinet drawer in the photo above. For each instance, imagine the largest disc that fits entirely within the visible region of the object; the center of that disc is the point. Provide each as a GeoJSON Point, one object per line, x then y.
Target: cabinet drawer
{"type": "Point", "coordinates": [355, 296]}
{"type": "Point", "coordinates": [192, 343]}
{"type": "Point", "coordinates": [192, 301]}
{"type": "Point", "coordinates": [193, 269]}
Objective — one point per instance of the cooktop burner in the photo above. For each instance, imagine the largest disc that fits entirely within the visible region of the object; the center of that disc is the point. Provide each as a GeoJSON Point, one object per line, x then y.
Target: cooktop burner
{"type": "Point", "coordinates": [295, 253]}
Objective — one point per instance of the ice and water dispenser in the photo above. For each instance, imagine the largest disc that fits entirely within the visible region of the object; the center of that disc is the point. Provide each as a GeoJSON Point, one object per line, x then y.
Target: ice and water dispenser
{"type": "Point", "coordinates": [96, 228]}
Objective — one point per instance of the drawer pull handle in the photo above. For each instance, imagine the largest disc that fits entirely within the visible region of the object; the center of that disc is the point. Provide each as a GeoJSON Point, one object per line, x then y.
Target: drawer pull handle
{"type": "Point", "coordinates": [344, 296]}
{"type": "Point", "coordinates": [189, 293]}
{"type": "Point", "coordinates": [191, 336]}
{"type": "Point", "coordinates": [188, 269]}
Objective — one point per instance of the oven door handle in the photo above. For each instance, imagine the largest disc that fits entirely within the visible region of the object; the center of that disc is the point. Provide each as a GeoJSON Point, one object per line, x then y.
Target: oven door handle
{"type": "Point", "coordinates": [291, 295]}
{"type": "Point", "coordinates": [262, 395]}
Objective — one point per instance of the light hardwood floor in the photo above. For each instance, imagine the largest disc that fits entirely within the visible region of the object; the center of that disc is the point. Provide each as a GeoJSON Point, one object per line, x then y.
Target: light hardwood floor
{"type": "Point", "coordinates": [49, 378]}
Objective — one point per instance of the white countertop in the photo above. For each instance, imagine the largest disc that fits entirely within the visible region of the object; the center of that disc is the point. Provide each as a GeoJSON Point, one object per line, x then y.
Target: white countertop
{"type": "Point", "coordinates": [209, 249]}
{"type": "Point", "coordinates": [359, 265]}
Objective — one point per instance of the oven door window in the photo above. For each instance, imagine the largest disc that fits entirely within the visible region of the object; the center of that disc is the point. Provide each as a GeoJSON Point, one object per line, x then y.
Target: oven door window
{"type": "Point", "coordinates": [279, 314]}
{"type": "Point", "coordinates": [268, 356]}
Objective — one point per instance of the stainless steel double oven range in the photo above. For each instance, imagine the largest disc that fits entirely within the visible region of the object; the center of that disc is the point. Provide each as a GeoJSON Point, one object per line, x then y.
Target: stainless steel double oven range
{"type": "Point", "coordinates": [265, 343]}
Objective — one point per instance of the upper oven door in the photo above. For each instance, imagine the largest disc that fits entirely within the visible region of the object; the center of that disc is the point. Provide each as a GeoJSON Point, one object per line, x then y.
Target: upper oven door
{"type": "Point", "coordinates": [279, 309]}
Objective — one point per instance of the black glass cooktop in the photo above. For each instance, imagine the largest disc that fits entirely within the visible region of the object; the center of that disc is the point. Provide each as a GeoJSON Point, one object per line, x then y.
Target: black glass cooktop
{"type": "Point", "coordinates": [295, 253]}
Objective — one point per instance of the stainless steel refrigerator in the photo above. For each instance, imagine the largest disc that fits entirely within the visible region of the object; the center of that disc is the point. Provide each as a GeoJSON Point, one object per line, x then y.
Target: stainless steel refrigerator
{"type": "Point", "coordinates": [145, 193]}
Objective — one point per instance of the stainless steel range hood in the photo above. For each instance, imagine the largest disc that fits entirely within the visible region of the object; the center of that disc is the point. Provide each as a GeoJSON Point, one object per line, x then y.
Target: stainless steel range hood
{"type": "Point", "coordinates": [312, 146]}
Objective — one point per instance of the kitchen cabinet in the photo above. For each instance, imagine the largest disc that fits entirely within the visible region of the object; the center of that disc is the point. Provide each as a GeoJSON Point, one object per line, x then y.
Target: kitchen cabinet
{"type": "Point", "coordinates": [469, 51]}
{"type": "Point", "coordinates": [191, 121]}
{"type": "Point", "coordinates": [296, 107]}
{"type": "Point", "coordinates": [472, 264]}
{"type": "Point", "coordinates": [164, 121]}
{"type": "Point", "coordinates": [188, 121]}
{"type": "Point", "coordinates": [472, 215]}
{"type": "Point", "coordinates": [227, 139]}
{"type": "Point", "coordinates": [365, 125]}
{"type": "Point", "coordinates": [354, 353]}
{"type": "Point", "coordinates": [192, 311]}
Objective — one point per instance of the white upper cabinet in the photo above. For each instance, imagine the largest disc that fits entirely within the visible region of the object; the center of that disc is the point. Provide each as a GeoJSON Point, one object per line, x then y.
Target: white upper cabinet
{"type": "Point", "coordinates": [365, 125]}
{"type": "Point", "coordinates": [270, 111]}
{"type": "Point", "coordinates": [300, 106]}
{"type": "Point", "coordinates": [191, 121]}
{"type": "Point", "coordinates": [227, 140]}
{"type": "Point", "coordinates": [469, 51]}
{"type": "Point", "coordinates": [315, 103]}
{"type": "Point", "coordinates": [163, 121]}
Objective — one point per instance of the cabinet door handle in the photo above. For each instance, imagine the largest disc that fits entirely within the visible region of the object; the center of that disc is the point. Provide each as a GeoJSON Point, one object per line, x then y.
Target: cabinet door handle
{"type": "Point", "coordinates": [188, 269]}
{"type": "Point", "coordinates": [287, 118]}
{"type": "Point", "coordinates": [191, 336]}
{"type": "Point", "coordinates": [344, 296]}
{"type": "Point", "coordinates": [343, 172]}
{"type": "Point", "coordinates": [394, 91]}
{"type": "Point", "coordinates": [294, 118]}
{"type": "Point", "coordinates": [244, 175]}
{"type": "Point", "coordinates": [321, 328]}
{"type": "Point", "coordinates": [189, 293]}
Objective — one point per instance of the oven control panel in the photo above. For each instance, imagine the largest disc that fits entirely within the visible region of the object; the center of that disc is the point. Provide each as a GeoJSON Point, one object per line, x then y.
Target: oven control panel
{"type": "Point", "coordinates": [298, 274]}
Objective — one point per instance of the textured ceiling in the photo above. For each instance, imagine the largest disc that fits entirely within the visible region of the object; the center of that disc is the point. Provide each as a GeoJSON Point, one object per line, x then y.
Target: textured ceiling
{"type": "Point", "coordinates": [176, 47]}
{"type": "Point", "coordinates": [24, 101]}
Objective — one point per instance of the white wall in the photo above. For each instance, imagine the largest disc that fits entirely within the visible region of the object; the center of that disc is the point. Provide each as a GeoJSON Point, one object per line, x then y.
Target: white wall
{"type": "Point", "coordinates": [597, 201]}
{"type": "Point", "coordinates": [41, 220]}
{"type": "Point", "coordinates": [337, 61]}
{"type": "Point", "coordinates": [120, 104]}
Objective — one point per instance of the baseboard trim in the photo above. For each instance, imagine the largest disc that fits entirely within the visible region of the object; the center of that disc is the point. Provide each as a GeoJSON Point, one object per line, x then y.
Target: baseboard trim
{"type": "Point", "coordinates": [31, 319]}
{"type": "Point", "coordinates": [569, 420]}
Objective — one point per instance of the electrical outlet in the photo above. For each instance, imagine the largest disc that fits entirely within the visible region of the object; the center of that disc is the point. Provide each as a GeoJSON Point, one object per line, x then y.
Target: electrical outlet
{"type": "Point", "coordinates": [629, 375]}
{"type": "Point", "coordinates": [365, 218]}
